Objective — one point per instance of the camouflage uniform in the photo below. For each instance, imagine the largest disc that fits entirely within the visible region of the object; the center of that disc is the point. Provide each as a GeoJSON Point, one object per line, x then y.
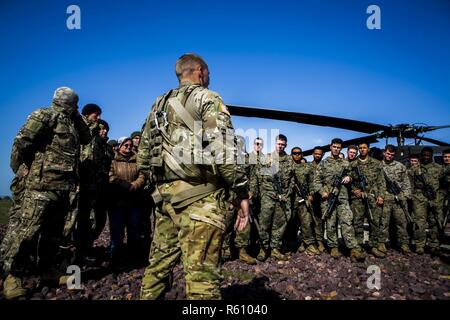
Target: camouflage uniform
{"type": "Point", "coordinates": [426, 212]}
{"type": "Point", "coordinates": [444, 191]}
{"type": "Point", "coordinates": [94, 169]}
{"type": "Point", "coordinates": [397, 173]}
{"type": "Point", "coordinates": [48, 144]}
{"type": "Point", "coordinates": [323, 178]}
{"type": "Point", "coordinates": [305, 176]}
{"type": "Point", "coordinates": [376, 187]}
{"type": "Point", "coordinates": [191, 199]}
{"type": "Point", "coordinates": [275, 206]}
{"type": "Point", "coordinates": [318, 227]}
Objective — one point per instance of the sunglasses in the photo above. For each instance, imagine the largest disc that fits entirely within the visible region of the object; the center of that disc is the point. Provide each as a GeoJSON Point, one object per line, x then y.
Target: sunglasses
{"type": "Point", "coordinates": [297, 153]}
{"type": "Point", "coordinates": [258, 144]}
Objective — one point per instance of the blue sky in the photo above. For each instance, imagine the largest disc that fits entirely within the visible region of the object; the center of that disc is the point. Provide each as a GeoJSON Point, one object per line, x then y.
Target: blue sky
{"type": "Point", "coordinates": [307, 56]}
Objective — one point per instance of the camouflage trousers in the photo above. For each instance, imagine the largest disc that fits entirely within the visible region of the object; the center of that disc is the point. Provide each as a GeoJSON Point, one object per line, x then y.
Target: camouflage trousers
{"type": "Point", "coordinates": [424, 215]}
{"type": "Point", "coordinates": [238, 239]}
{"type": "Point", "coordinates": [306, 223]}
{"type": "Point", "coordinates": [392, 209]}
{"type": "Point", "coordinates": [187, 234]}
{"type": "Point", "coordinates": [273, 220]}
{"type": "Point", "coordinates": [318, 226]}
{"type": "Point", "coordinates": [343, 215]}
{"type": "Point", "coordinates": [41, 214]}
{"type": "Point", "coordinates": [359, 213]}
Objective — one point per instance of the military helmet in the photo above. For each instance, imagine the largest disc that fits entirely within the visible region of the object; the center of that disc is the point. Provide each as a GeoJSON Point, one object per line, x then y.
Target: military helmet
{"type": "Point", "coordinates": [65, 96]}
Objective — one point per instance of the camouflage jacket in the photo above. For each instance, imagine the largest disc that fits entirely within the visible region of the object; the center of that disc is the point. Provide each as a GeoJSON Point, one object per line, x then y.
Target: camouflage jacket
{"type": "Point", "coordinates": [206, 108]}
{"type": "Point", "coordinates": [275, 174]}
{"type": "Point", "coordinates": [431, 172]}
{"type": "Point", "coordinates": [373, 171]}
{"type": "Point", "coordinates": [94, 161]}
{"type": "Point", "coordinates": [49, 145]}
{"type": "Point", "coordinates": [324, 176]}
{"type": "Point", "coordinates": [254, 179]}
{"type": "Point", "coordinates": [305, 174]}
{"type": "Point", "coordinates": [397, 172]}
{"type": "Point", "coordinates": [445, 180]}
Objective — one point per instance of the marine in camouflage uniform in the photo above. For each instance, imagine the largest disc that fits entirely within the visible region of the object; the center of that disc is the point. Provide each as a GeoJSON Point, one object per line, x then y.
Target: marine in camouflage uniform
{"type": "Point", "coordinates": [48, 145]}
{"type": "Point", "coordinates": [94, 168]}
{"type": "Point", "coordinates": [191, 198]}
{"type": "Point", "coordinates": [397, 173]}
{"type": "Point", "coordinates": [327, 170]}
{"type": "Point", "coordinates": [318, 226]}
{"type": "Point", "coordinates": [426, 212]}
{"type": "Point", "coordinates": [375, 188]}
{"type": "Point", "coordinates": [275, 173]}
{"type": "Point", "coordinates": [444, 188]}
{"type": "Point", "coordinates": [305, 176]}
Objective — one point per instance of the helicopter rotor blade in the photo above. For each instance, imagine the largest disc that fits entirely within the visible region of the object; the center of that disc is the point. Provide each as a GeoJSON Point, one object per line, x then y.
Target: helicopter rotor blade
{"type": "Point", "coordinates": [305, 118]}
{"type": "Point", "coordinates": [436, 142]}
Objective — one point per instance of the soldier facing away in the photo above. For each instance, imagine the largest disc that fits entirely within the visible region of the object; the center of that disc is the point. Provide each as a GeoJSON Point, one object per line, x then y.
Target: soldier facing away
{"type": "Point", "coordinates": [191, 193]}
{"type": "Point", "coordinates": [48, 145]}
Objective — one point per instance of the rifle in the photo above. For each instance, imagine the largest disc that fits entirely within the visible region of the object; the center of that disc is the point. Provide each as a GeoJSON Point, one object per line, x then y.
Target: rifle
{"type": "Point", "coordinates": [363, 187]}
{"type": "Point", "coordinates": [395, 189]}
{"type": "Point", "coordinates": [334, 194]}
{"type": "Point", "coordinates": [429, 193]}
{"type": "Point", "coordinates": [303, 193]}
{"type": "Point", "coordinates": [279, 190]}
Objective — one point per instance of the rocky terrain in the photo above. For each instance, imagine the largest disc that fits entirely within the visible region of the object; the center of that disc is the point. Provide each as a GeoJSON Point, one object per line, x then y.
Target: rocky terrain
{"type": "Point", "coordinates": [300, 278]}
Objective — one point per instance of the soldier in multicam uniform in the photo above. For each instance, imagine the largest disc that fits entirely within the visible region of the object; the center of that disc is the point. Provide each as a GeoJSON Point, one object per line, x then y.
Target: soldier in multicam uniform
{"type": "Point", "coordinates": [317, 203]}
{"type": "Point", "coordinates": [48, 146]}
{"type": "Point", "coordinates": [323, 181]}
{"type": "Point", "coordinates": [397, 173]}
{"type": "Point", "coordinates": [375, 189]}
{"type": "Point", "coordinates": [191, 198]}
{"type": "Point", "coordinates": [276, 174]}
{"type": "Point", "coordinates": [427, 209]}
{"type": "Point", "coordinates": [444, 188]}
{"type": "Point", "coordinates": [303, 207]}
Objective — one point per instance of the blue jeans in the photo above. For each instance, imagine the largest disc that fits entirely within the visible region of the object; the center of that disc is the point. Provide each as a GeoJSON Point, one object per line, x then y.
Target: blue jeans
{"type": "Point", "coordinates": [119, 219]}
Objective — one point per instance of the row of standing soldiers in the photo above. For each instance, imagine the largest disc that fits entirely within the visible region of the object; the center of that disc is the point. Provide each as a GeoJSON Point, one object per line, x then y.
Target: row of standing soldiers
{"type": "Point", "coordinates": [306, 206]}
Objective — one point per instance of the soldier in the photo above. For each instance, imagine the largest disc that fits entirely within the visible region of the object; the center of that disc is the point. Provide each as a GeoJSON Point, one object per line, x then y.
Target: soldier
{"type": "Point", "coordinates": [48, 145]}
{"type": "Point", "coordinates": [303, 206]}
{"type": "Point", "coordinates": [191, 190]}
{"type": "Point", "coordinates": [352, 152]}
{"type": "Point", "coordinates": [136, 138]}
{"type": "Point", "coordinates": [276, 176]}
{"type": "Point", "coordinates": [368, 175]}
{"type": "Point", "coordinates": [444, 190]}
{"type": "Point", "coordinates": [330, 180]}
{"type": "Point", "coordinates": [395, 205]}
{"type": "Point", "coordinates": [317, 203]}
{"type": "Point", "coordinates": [427, 207]}
{"type": "Point", "coordinates": [94, 169]}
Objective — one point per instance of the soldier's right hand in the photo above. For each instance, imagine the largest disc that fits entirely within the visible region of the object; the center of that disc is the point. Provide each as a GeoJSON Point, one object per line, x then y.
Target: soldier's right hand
{"type": "Point", "coordinates": [324, 195]}
{"type": "Point", "coordinates": [242, 217]}
{"type": "Point", "coordinates": [357, 193]}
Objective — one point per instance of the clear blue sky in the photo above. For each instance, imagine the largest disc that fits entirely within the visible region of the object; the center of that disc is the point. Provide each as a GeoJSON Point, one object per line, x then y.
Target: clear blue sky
{"type": "Point", "coordinates": [306, 56]}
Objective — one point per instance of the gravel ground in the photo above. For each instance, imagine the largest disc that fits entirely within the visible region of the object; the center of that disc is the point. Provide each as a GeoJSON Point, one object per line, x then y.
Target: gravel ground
{"type": "Point", "coordinates": [300, 278]}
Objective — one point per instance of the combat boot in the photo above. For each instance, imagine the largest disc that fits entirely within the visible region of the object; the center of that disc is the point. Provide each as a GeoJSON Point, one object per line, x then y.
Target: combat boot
{"type": "Point", "coordinates": [356, 254]}
{"type": "Point", "coordinates": [12, 288]}
{"type": "Point", "coordinates": [377, 253]}
{"type": "Point", "coordinates": [301, 249]}
{"type": "Point", "coordinates": [278, 255]}
{"type": "Point", "coordinates": [335, 253]}
{"type": "Point", "coordinates": [404, 248]}
{"type": "Point", "coordinates": [321, 247]}
{"type": "Point", "coordinates": [382, 247]}
{"type": "Point", "coordinates": [226, 254]}
{"type": "Point", "coordinates": [245, 257]}
{"type": "Point", "coordinates": [262, 255]}
{"type": "Point", "coordinates": [312, 250]}
{"type": "Point", "coordinates": [420, 250]}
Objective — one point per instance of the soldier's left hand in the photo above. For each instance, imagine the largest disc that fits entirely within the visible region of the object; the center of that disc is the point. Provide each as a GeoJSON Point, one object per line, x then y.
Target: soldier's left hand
{"type": "Point", "coordinates": [379, 201]}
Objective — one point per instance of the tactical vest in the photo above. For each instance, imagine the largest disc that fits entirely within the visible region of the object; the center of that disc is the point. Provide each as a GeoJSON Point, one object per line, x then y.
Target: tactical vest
{"type": "Point", "coordinates": [176, 146]}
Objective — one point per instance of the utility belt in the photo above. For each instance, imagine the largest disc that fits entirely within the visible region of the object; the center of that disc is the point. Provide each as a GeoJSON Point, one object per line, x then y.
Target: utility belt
{"type": "Point", "coordinates": [187, 195]}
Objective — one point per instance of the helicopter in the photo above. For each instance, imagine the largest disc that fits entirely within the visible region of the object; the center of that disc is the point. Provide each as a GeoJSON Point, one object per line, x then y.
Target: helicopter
{"type": "Point", "coordinates": [375, 131]}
